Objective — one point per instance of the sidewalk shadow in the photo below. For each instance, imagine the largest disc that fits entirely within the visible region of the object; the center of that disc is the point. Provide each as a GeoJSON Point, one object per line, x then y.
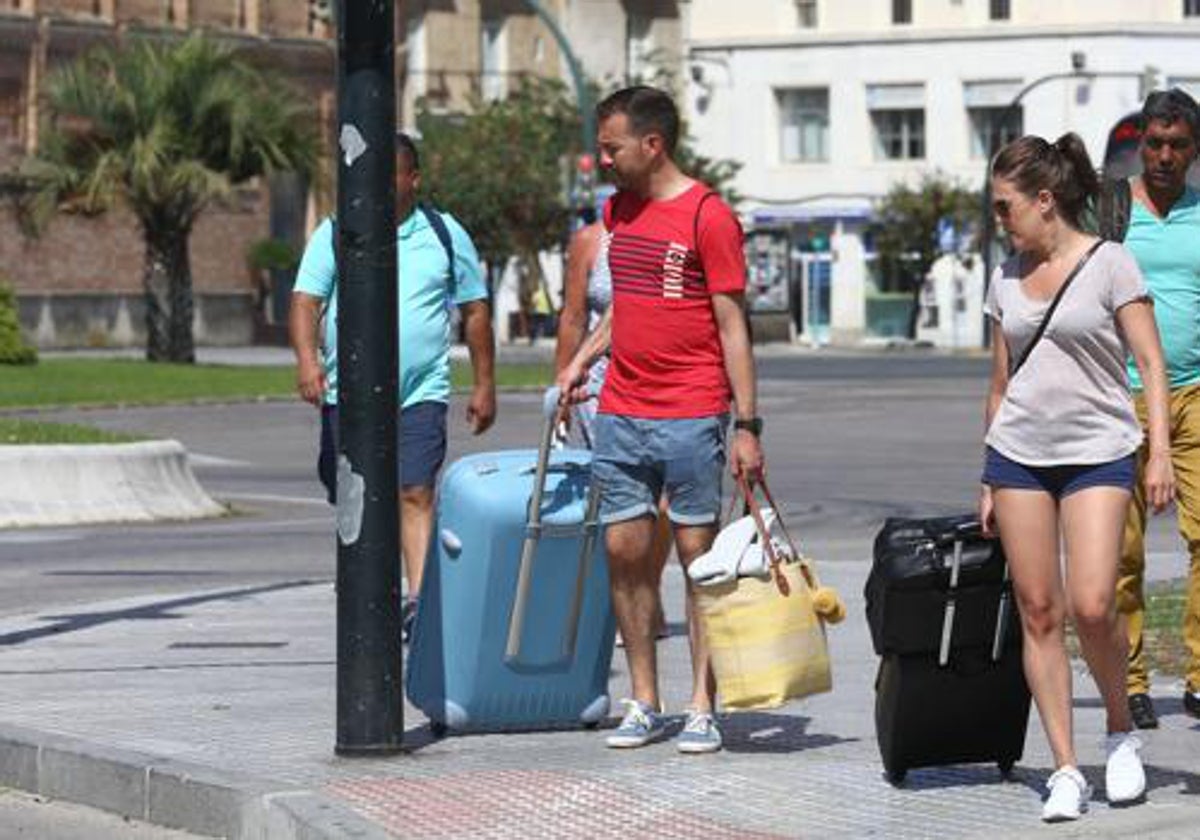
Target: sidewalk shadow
{"type": "Point", "coordinates": [169, 609]}
{"type": "Point", "coordinates": [419, 737]}
{"type": "Point", "coordinates": [1034, 778]}
{"type": "Point", "coordinates": [1156, 779]}
{"type": "Point", "coordinates": [1164, 704]}
{"type": "Point", "coordinates": [765, 732]}
{"type": "Point", "coordinates": [969, 776]}
{"type": "Point", "coordinates": [426, 734]}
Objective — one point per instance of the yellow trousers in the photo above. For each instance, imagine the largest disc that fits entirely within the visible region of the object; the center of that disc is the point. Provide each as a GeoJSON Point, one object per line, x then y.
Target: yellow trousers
{"type": "Point", "coordinates": [1131, 604]}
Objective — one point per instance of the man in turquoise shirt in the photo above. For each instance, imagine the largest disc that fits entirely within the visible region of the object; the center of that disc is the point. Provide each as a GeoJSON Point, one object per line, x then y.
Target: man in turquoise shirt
{"type": "Point", "coordinates": [438, 266]}
{"type": "Point", "coordinates": [1164, 236]}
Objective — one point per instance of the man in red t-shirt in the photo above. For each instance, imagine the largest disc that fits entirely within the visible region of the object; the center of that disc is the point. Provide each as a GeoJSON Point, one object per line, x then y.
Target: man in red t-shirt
{"type": "Point", "coordinates": [680, 350]}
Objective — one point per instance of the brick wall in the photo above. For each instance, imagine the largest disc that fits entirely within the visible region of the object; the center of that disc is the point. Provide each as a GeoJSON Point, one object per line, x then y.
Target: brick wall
{"type": "Point", "coordinates": [104, 253]}
{"type": "Point", "coordinates": [284, 18]}
{"type": "Point", "coordinates": [69, 279]}
{"type": "Point", "coordinates": [219, 14]}
{"type": "Point", "coordinates": [89, 8]}
{"type": "Point", "coordinates": [149, 12]}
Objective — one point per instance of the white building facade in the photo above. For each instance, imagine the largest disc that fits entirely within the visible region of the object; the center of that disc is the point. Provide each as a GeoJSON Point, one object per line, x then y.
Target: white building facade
{"type": "Point", "coordinates": [828, 104]}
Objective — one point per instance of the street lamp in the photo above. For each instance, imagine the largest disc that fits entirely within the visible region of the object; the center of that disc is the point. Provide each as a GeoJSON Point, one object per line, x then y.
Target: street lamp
{"type": "Point", "coordinates": [587, 117]}
{"type": "Point", "coordinates": [1078, 71]}
{"type": "Point", "coordinates": [1147, 80]}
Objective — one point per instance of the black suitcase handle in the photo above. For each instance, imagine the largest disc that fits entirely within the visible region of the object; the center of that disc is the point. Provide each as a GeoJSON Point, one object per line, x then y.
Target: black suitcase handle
{"type": "Point", "coordinates": [1001, 631]}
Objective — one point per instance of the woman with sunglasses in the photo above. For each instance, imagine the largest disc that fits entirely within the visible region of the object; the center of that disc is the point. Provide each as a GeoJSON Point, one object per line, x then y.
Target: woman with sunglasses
{"type": "Point", "coordinates": [1061, 442]}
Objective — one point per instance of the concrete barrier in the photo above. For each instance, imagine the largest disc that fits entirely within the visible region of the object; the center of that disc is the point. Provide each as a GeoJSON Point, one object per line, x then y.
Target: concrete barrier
{"type": "Point", "coordinates": [79, 484]}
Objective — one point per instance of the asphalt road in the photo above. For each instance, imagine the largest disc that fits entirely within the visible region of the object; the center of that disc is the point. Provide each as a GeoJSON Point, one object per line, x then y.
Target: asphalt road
{"type": "Point", "coordinates": [27, 817]}
{"type": "Point", "coordinates": [849, 441]}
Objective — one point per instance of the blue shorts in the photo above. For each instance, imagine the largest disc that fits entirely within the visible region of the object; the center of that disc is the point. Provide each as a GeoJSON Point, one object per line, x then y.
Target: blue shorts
{"type": "Point", "coordinates": [421, 452]}
{"type": "Point", "coordinates": [1059, 481]}
{"type": "Point", "coordinates": [636, 461]}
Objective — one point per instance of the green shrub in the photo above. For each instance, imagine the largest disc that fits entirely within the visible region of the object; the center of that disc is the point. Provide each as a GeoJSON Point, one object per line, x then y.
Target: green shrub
{"type": "Point", "coordinates": [13, 349]}
{"type": "Point", "coordinates": [272, 254]}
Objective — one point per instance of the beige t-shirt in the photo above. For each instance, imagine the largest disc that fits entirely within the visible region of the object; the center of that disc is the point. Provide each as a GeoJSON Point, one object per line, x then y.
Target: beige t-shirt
{"type": "Point", "coordinates": [1070, 403]}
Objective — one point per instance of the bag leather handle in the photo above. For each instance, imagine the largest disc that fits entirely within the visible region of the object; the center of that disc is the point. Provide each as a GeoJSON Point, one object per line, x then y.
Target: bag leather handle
{"type": "Point", "coordinates": [764, 534]}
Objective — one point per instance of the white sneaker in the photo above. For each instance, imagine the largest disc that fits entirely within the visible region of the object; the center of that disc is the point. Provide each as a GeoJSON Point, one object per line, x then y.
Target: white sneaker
{"type": "Point", "coordinates": [1069, 795]}
{"type": "Point", "coordinates": [1124, 777]}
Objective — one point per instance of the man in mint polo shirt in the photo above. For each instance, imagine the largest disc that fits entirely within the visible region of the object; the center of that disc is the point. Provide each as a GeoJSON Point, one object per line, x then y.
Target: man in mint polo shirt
{"type": "Point", "coordinates": [1164, 235]}
{"type": "Point", "coordinates": [438, 266]}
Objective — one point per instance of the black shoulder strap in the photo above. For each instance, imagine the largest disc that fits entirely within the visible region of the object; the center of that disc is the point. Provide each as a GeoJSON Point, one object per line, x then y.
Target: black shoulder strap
{"type": "Point", "coordinates": [441, 232]}
{"type": "Point", "coordinates": [435, 221]}
{"type": "Point", "coordinates": [337, 259]}
{"type": "Point", "coordinates": [1041, 330]}
{"type": "Point", "coordinates": [696, 220]}
{"type": "Point", "coordinates": [1113, 209]}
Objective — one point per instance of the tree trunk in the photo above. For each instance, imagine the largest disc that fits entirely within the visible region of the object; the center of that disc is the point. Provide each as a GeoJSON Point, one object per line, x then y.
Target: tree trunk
{"type": "Point", "coordinates": [914, 314]}
{"type": "Point", "coordinates": [920, 279]}
{"type": "Point", "coordinates": [167, 276]}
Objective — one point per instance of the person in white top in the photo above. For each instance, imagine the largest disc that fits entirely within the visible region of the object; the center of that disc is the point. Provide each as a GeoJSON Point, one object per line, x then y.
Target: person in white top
{"type": "Point", "coordinates": [1061, 442]}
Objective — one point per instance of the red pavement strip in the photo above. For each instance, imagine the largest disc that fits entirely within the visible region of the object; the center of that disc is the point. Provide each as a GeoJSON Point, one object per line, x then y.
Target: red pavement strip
{"type": "Point", "coordinates": [522, 803]}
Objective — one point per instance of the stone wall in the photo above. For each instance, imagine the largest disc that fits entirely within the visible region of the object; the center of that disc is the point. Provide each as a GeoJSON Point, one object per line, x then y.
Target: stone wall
{"type": "Point", "coordinates": [80, 283]}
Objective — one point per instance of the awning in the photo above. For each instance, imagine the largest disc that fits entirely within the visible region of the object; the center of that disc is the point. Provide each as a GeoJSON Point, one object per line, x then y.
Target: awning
{"type": "Point", "coordinates": [895, 97]}
{"type": "Point", "coordinates": [801, 213]}
{"type": "Point", "coordinates": [991, 94]}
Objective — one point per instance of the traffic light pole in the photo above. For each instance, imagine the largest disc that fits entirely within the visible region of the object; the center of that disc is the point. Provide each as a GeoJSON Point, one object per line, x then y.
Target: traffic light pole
{"type": "Point", "coordinates": [370, 699]}
{"type": "Point", "coordinates": [584, 97]}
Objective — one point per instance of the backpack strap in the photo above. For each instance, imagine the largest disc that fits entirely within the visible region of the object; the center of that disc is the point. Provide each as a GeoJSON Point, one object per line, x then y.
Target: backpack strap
{"type": "Point", "coordinates": [442, 232]}
{"type": "Point", "coordinates": [696, 220]}
{"type": "Point", "coordinates": [1114, 206]}
{"type": "Point", "coordinates": [337, 259]}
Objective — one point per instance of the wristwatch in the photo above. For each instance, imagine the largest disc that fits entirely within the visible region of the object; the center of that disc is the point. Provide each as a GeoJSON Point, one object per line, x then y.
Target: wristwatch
{"type": "Point", "coordinates": [754, 426]}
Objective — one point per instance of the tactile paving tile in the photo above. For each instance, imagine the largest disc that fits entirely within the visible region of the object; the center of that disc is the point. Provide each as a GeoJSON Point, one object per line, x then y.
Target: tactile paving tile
{"type": "Point", "coordinates": [525, 803]}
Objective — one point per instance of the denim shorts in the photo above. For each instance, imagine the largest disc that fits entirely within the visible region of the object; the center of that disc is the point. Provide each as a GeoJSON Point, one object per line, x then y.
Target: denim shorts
{"type": "Point", "coordinates": [421, 451]}
{"type": "Point", "coordinates": [1061, 480]}
{"type": "Point", "coordinates": [638, 460]}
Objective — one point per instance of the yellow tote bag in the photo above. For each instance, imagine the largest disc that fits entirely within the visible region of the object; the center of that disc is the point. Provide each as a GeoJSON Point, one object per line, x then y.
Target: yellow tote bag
{"type": "Point", "coordinates": [766, 637]}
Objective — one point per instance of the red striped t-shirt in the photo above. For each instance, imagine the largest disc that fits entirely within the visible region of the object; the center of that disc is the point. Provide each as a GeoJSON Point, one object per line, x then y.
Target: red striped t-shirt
{"type": "Point", "coordinates": [666, 351]}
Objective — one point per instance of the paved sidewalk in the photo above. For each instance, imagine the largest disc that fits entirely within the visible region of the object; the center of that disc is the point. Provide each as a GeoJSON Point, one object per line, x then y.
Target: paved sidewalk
{"type": "Point", "coordinates": [215, 713]}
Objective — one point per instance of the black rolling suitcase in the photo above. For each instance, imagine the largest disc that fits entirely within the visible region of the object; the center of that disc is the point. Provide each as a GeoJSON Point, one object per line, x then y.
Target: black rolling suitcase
{"type": "Point", "coordinates": [950, 687]}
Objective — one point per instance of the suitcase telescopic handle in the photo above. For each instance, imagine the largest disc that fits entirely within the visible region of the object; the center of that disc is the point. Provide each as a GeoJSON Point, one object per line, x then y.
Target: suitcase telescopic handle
{"type": "Point", "coordinates": [948, 617]}
{"type": "Point", "coordinates": [533, 533]}
{"type": "Point", "coordinates": [1001, 617]}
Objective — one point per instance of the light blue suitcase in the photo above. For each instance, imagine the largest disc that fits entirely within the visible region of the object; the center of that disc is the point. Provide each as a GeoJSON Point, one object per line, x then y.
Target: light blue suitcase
{"type": "Point", "coordinates": [515, 627]}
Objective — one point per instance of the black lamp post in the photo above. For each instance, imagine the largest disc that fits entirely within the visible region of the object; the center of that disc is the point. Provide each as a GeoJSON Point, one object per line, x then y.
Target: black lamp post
{"type": "Point", "coordinates": [370, 696]}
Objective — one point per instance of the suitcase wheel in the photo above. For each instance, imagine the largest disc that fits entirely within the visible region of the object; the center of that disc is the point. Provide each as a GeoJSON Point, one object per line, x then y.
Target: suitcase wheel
{"type": "Point", "coordinates": [1006, 768]}
{"type": "Point", "coordinates": [438, 729]}
{"type": "Point", "coordinates": [895, 776]}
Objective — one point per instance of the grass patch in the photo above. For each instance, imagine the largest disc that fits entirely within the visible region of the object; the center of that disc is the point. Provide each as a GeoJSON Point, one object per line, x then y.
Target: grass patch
{"type": "Point", "coordinates": [81, 382]}
{"type": "Point", "coordinates": [507, 376]}
{"type": "Point", "coordinates": [1162, 633]}
{"type": "Point", "coordinates": [95, 382]}
{"type": "Point", "coordinates": [14, 430]}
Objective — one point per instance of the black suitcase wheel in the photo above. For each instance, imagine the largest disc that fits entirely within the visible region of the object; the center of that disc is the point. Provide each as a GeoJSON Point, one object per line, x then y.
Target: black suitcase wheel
{"type": "Point", "coordinates": [1006, 767]}
{"type": "Point", "coordinates": [438, 729]}
{"type": "Point", "coordinates": [896, 776]}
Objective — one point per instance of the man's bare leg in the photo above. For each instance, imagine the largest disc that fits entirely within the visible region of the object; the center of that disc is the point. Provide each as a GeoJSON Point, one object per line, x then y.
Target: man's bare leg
{"type": "Point", "coordinates": [416, 525]}
{"type": "Point", "coordinates": [634, 584]}
{"type": "Point", "coordinates": [692, 541]}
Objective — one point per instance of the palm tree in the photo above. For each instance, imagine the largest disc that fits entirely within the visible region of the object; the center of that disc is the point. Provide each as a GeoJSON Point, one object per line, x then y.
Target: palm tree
{"type": "Point", "coordinates": [165, 129]}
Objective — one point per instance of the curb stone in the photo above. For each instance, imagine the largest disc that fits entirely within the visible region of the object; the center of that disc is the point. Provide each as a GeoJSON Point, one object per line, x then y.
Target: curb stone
{"type": "Point", "coordinates": [170, 793]}
{"type": "Point", "coordinates": [73, 484]}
